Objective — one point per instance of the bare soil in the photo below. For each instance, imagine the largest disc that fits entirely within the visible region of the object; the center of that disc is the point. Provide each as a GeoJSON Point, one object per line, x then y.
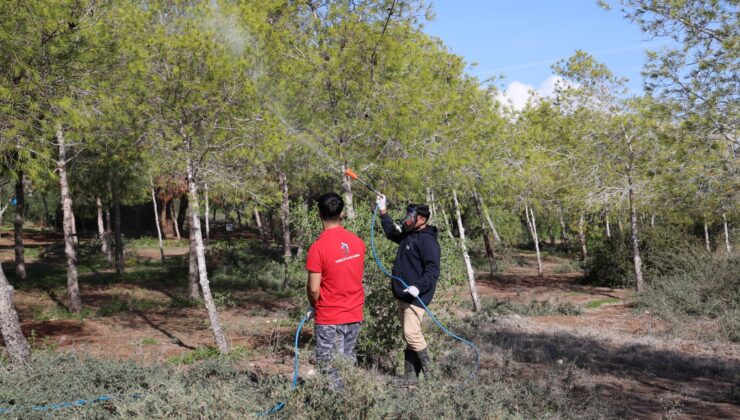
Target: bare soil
{"type": "Point", "coordinates": [629, 357]}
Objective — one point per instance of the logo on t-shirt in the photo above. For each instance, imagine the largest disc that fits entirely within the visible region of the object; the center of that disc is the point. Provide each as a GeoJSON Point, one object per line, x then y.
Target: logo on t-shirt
{"type": "Point", "coordinates": [345, 248]}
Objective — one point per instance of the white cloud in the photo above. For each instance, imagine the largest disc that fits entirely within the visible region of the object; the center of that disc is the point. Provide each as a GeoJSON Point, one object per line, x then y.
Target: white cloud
{"type": "Point", "coordinates": [517, 94]}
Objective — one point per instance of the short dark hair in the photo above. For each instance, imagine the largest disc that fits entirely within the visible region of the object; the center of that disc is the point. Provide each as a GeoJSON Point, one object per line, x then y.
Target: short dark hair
{"type": "Point", "coordinates": [422, 210]}
{"type": "Point", "coordinates": [330, 207]}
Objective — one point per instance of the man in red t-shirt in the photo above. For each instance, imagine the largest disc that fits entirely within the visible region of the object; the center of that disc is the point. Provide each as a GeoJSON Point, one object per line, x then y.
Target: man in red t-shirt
{"type": "Point", "coordinates": [335, 264]}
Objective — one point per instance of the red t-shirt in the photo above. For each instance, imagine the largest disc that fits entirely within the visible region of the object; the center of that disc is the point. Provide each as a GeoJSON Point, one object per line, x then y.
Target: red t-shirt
{"type": "Point", "coordinates": [339, 255]}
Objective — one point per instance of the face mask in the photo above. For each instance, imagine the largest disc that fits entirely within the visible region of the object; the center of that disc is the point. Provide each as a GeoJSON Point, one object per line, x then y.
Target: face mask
{"type": "Point", "coordinates": [409, 222]}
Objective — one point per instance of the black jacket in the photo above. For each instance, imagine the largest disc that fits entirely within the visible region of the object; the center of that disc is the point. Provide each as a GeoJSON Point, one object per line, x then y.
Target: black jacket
{"type": "Point", "coordinates": [417, 261]}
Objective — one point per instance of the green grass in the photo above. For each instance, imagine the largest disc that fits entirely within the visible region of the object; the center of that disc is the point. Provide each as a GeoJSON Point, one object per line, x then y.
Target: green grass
{"type": "Point", "coordinates": [149, 341]}
{"type": "Point", "coordinates": [600, 302]}
{"type": "Point", "coordinates": [206, 353]}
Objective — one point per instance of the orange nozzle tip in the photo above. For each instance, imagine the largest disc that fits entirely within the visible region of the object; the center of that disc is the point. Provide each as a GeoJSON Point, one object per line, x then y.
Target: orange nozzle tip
{"type": "Point", "coordinates": [350, 173]}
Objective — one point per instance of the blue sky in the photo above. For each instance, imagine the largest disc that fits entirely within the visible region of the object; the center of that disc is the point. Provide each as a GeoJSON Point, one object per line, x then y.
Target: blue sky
{"type": "Point", "coordinates": [522, 39]}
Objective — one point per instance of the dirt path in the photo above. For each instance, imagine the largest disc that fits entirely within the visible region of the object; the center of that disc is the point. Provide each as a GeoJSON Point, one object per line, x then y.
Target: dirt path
{"type": "Point", "coordinates": [627, 357]}
{"type": "Point", "coordinates": [628, 354]}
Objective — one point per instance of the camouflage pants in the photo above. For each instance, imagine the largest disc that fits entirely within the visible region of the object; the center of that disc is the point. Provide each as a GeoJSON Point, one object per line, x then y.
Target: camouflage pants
{"type": "Point", "coordinates": [340, 339]}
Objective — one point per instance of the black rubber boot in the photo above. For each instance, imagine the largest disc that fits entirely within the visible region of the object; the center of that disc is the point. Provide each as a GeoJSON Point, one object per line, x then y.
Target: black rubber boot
{"type": "Point", "coordinates": [425, 363]}
{"type": "Point", "coordinates": [411, 369]}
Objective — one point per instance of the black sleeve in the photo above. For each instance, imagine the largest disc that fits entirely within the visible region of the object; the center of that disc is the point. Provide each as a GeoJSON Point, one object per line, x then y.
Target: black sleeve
{"type": "Point", "coordinates": [390, 229]}
{"type": "Point", "coordinates": [430, 255]}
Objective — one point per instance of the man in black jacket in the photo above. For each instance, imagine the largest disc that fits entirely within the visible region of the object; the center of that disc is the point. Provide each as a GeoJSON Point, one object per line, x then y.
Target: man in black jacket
{"type": "Point", "coordinates": [417, 263]}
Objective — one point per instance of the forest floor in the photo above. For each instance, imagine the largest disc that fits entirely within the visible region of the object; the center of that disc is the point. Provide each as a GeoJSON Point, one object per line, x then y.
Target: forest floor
{"type": "Point", "coordinates": [633, 361]}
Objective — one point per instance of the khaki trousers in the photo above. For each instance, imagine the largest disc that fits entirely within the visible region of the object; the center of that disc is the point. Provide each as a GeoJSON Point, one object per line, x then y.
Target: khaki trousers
{"type": "Point", "coordinates": [411, 317]}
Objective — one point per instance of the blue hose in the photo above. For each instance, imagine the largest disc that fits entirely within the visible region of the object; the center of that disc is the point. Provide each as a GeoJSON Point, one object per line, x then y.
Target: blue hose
{"type": "Point", "coordinates": [280, 405]}
{"type": "Point", "coordinates": [423, 305]}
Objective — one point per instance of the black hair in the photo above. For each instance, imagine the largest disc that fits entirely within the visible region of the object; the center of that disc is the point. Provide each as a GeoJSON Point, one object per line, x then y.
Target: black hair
{"type": "Point", "coordinates": [330, 207]}
{"type": "Point", "coordinates": [421, 210]}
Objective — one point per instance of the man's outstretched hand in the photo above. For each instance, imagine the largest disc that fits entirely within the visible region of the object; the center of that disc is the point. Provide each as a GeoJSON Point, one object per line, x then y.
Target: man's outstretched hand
{"type": "Point", "coordinates": [381, 203]}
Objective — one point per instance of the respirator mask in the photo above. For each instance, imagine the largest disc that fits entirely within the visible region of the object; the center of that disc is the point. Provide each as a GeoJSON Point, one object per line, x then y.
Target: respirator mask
{"type": "Point", "coordinates": [408, 223]}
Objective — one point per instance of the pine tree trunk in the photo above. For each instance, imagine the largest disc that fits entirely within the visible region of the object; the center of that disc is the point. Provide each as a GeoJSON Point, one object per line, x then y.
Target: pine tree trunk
{"type": "Point", "coordinates": [466, 256]}
{"type": "Point", "coordinates": [285, 214]}
{"type": "Point", "coordinates": [193, 277]}
{"type": "Point", "coordinates": [117, 235]}
{"type": "Point", "coordinates": [347, 193]}
{"type": "Point", "coordinates": [563, 230]}
{"type": "Point", "coordinates": [10, 326]}
{"type": "Point", "coordinates": [484, 229]}
{"type": "Point", "coordinates": [620, 226]}
{"type": "Point", "coordinates": [706, 237]}
{"type": "Point", "coordinates": [104, 240]}
{"type": "Point", "coordinates": [156, 223]}
{"type": "Point", "coordinates": [301, 233]}
{"type": "Point", "coordinates": [533, 231]}
{"type": "Point", "coordinates": [432, 207]}
{"type": "Point", "coordinates": [727, 234]}
{"type": "Point", "coordinates": [20, 206]}
{"type": "Point", "coordinates": [73, 288]}
{"type": "Point", "coordinates": [652, 221]}
{"type": "Point", "coordinates": [608, 228]}
{"type": "Point", "coordinates": [218, 332]}
{"type": "Point", "coordinates": [207, 210]}
{"type": "Point", "coordinates": [448, 226]}
{"type": "Point", "coordinates": [260, 226]}
{"type": "Point", "coordinates": [174, 222]}
{"type": "Point", "coordinates": [635, 241]}
{"type": "Point", "coordinates": [491, 225]}
{"type": "Point", "coordinates": [582, 237]}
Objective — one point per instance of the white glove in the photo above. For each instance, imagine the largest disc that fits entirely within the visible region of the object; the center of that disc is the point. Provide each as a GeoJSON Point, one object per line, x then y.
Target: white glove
{"type": "Point", "coordinates": [310, 312]}
{"type": "Point", "coordinates": [412, 290]}
{"type": "Point", "coordinates": [380, 202]}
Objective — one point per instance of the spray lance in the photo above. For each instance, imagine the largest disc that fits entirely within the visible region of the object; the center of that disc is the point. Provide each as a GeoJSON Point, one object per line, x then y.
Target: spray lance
{"type": "Point", "coordinates": [406, 224]}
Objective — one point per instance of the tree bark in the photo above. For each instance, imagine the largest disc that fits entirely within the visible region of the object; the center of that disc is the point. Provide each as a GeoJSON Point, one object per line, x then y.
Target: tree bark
{"type": "Point", "coordinates": [20, 206]}
{"type": "Point", "coordinates": [634, 238]}
{"type": "Point", "coordinates": [706, 237]}
{"type": "Point", "coordinates": [620, 226]}
{"type": "Point", "coordinates": [218, 332]}
{"type": "Point", "coordinates": [652, 221]}
{"type": "Point", "coordinates": [285, 214]}
{"type": "Point", "coordinates": [727, 234]}
{"type": "Point", "coordinates": [489, 220]}
{"type": "Point", "coordinates": [347, 193]}
{"type": "Point", "coordinates": [117, 236]}
{"type": "Point", "coordinates": [105, 245]}
{"type": "Point", "coordinates": [260, 226]}
{"type": "Point", "coordinates": [175, 218]}
{"type": "Point", "coordinates": [207, 210]}
{"type": "Point", "coordinates": [73, 288]}
{"type": "Point", "coordinates": [47, 216]}
{"type": "Point", "coordinates": [466, 256]}
{"type": "Point", "coordinates": [432, 207]}
{"type": "Point", "coordinates": [10, 326]}
{"type": "Point", "coordinates": [156, 223]}
{"type": "Point", "coordinates": [533, 231]}
{"type": "Point", "coordinates": [193, 277]}
{"type": "Point", "coordinates": [582, 237]}
{"type": "Point", "coordinates": [563, 230]}
{"type": "Point", "coordinates": [448, 226]}
{"type": "Point", "coordinates": [608, 228]}
{"type": "Point", "coordinates": [484, 228]}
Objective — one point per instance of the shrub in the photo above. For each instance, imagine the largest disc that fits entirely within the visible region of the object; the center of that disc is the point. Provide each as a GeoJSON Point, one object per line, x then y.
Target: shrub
{"type": "Point", "coordinates": [664, 250]}
{"type": "Point", "coordinates": [710, 289]}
